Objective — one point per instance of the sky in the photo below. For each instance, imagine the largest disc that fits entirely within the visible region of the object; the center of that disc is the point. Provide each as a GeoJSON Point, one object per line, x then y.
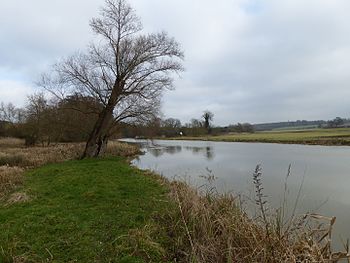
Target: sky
{"type": "Point", "coordinates": [246, 60]}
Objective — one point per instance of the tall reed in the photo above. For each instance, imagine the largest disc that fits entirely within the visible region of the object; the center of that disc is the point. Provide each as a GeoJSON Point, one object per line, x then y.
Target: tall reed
{"type": "Point", "coordinates": [212, 227]}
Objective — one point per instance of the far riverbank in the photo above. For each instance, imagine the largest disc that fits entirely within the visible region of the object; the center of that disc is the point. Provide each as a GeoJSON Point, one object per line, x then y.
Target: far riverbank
{"type": "Point", "coordinates": [331, 137]}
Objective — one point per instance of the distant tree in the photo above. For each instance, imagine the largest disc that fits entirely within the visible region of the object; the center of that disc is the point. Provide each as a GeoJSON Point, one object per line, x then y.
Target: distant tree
{"type": "Point", "coordinates": [242, 127]}
{"type": "Point", "coordinates": [125, 70]}
{"type": "Point", "coordinates": [247, 127]}
{"type": "Point", "coordinates": [152, 128]}
{"type": "Point", "coordinates": [195, 123]}
{"type": "Point", "coordinates": [337, 122]}
{"type": "Point", "coordinates": [11, 114]}
{"type": "Point", "coordinates": [239, 127]}
{"type": "Point", "coordinates": [194, 128]}
{"type": "Point", "coordinates": [10, 119]}
{"type": "Point", "coordinates": [39, 120]}
{"type": "Point", "coordinates": [76, 116]}
{"type": "Point", "coordinates": [172, 123]}
{"type": "Point", "coordinates": [208, 117]}
{"type": "Point", "coordinates": [43, 121]}
{"type": "Point", "coordinates": [171, 127]}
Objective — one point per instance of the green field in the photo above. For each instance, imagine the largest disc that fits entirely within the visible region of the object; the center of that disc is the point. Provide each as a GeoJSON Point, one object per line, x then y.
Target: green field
{"type": "Point", "coordinates": [84, 211]}
{"type": "Point", "coordinates": [339, 136]}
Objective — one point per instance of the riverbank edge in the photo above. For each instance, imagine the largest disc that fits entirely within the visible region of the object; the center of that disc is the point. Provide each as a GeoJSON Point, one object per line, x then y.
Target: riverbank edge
{"type": "Point", "coordinates": [296, 142]}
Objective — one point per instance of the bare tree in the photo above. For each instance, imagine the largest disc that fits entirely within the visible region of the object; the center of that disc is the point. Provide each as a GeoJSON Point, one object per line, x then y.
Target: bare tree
{"type": "Point", "coordinates": [9, 113]}
{"type": "Point", "coordinates": [171, 127]}
{"type": "Point", "coordinates": [125, 70]}
{"type": "Point", "coordinates": [208, 118]}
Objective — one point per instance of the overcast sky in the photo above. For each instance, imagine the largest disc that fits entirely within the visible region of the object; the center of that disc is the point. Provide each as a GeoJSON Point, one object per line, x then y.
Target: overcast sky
{"type": "Point", "coordinates": [246, 60]}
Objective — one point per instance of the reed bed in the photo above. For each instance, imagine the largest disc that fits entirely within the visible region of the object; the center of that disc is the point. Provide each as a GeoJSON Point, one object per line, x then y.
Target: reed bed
{"type": "Point", "coordinates": [212, 227]}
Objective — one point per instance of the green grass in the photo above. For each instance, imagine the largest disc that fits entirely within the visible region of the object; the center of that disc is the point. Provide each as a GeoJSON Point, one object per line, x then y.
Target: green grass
{"type": "Point", "coordinates": [339, 136]}
{"type": "Point", "coordinates": [103, 210]}
{"type": "Point", "coordinates": [84, 211]}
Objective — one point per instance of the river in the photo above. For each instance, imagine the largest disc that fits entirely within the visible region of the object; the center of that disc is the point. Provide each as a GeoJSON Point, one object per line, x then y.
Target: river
{"type": "Point", "coordinates": [320, 175]}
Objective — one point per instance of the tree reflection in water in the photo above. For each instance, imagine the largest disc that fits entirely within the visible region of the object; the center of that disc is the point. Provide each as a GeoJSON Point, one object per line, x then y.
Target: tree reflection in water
{"type": "Point", "coordinates": [208, 151]}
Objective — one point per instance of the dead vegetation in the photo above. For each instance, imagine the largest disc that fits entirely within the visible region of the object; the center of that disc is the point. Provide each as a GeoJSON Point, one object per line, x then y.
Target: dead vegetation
{"type": "Point", "coordinates": [10, 178]}
{"type": "Point", "coordinates": [115, 148]}
{"type": "Point", "coordinates": [17, 198]}
{"type": "Point", "coordinates": [11, 142]}
{"type": "Point", "coordinates": [212, 227]}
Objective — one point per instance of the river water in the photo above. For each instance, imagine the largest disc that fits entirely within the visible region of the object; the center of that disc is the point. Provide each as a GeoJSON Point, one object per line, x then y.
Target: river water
{"type": "Point", "coordinates": [319, 175]}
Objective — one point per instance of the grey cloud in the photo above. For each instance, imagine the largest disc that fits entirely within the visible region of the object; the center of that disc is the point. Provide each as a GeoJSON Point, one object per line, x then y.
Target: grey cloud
{"type": "Point", "coordinates": [246, 60]}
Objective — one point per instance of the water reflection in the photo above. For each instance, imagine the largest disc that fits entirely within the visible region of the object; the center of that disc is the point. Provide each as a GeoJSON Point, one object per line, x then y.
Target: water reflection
{"type": "Point", "coordinates": [207, 151]}
{"type": "Point", "coordinates": [158, 149]}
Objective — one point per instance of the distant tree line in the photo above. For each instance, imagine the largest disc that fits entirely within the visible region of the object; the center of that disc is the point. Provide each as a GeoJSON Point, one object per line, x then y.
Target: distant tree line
{"type": "Point", "coordinates": [289, 125]}
{"type": "Point", "coordinates": [172, 127]}
{"type": "Point", "coordinates": [45, 122]}
{"type": "Point", "coordinates": [242, 127]}
{"type": "Point", "coordinates": [337, 123]}
{"type": "Point", "coordinates": [304, 124]}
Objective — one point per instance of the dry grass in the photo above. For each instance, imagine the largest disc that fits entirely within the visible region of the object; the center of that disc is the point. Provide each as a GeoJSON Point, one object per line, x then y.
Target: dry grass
{"type": "Point", "coordinates": [30, 157]}
{"type": "Point", "coordinates": [11, 142]}
{"type": "Point", "coordinates": [116, 148]}
{"type": "Point", "coordinates": [10, 178]}
{"type": "Point", "coordinates": [18, 198]}
{"type": "Point", "coordinates": [211, 227]}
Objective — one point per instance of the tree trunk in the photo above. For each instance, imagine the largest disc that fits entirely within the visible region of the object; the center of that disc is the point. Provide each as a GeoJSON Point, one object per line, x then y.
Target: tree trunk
{"type": "Point", "coordinates": [98, 139]}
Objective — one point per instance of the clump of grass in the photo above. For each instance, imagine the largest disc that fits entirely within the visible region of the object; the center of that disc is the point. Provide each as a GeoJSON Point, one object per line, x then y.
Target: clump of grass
{"type": "Point", "coordinates": [18, 197]}
{"type": "Point", "coordinates": [212, 227]}
{"type": "Point", "coordinates": [10, 178]}
{"type": "Point", "coordinates": [141, 243]}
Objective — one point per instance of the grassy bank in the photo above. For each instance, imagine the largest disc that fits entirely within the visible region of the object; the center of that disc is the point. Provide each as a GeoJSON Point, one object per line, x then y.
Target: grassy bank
{"type": "Point", "coordinates": [339, 136]}
{"type": "Point", "coordinates": [15, 158]}
{"type": "Point", "coordinates": [82, 211]}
